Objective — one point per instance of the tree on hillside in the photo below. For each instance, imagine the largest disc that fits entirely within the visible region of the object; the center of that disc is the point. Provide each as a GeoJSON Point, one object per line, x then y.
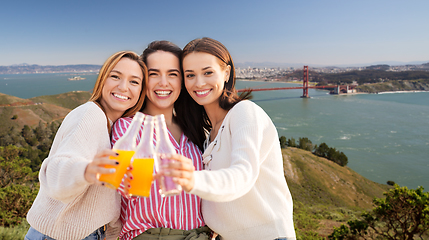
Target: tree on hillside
{"type": "Point", "coordinates": [283, 141]}
{"type": "Point", "coordinates": [322, 150]}
{"type": "Point", "coordinates": [291, 142]}
{"type": "Point", "coordinates": [18, 185]}
{"type": "Point", "coordinates": [305, 143]}
{"type": "Point", "coordinates": [12, 136]}
{"type": "Point", "coordinates": [14, 168]}
{"type": "Point", "coordinates": [37, 141]}
{"type": "Point", "coordinates": [402, 214]}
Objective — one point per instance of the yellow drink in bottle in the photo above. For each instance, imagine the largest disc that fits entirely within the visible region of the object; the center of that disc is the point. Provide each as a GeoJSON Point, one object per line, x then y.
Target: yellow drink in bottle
{"type": "Point", "coordinates": [113, 180]}
{"type": "Point", "coordinates": [142, 177]}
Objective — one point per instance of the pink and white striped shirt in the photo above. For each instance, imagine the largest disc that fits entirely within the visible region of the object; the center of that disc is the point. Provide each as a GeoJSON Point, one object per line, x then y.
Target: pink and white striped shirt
{"type": "Point", "coordinates": [178, 212]}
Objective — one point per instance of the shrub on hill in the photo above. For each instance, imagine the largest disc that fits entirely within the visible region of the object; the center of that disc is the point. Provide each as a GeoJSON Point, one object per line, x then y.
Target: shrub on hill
{"type": "Point", "coordinates": [283, 141]}
{"type": "Point", "coordinates": [14, 233]}
{"type": "Point", "coordinates": [305, 143]}
{"type": "Point", "coordinates": [402, 214]}
{"type": "Point", "coordinates": [18, 185]}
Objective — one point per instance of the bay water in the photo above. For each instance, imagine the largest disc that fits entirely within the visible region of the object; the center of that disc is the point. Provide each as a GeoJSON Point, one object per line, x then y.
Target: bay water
{"type": "Point", "coordinates": [385, 136]}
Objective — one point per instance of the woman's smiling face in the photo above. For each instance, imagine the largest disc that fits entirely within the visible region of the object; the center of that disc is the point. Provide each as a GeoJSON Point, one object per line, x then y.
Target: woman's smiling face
{"type": "Point", "coordinates": [204, 77]}
{"type": "Point", "coordinates": [122, 88]}
{"type": "Point", "coordinates": [164, 81]}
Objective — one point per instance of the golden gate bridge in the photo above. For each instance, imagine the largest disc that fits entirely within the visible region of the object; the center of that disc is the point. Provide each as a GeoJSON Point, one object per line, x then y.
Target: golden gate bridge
{"type": "Point", "coordinates": [337, 88]}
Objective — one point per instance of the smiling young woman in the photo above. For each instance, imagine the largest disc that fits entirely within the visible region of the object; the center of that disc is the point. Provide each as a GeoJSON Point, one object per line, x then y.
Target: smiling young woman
{"type": "Point", "coordinates": [72, 203]}
{"type": "Point", "coordinates": [177, 216]}
{"type": "Point", "coordinates": [244, 191]}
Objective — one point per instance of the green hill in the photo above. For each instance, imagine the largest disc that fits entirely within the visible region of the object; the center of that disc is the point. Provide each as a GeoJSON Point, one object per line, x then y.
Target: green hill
{"type": "Point", "coordinates": [17, 112]}
{"type": "Point", "coordinates": [325, 194]}
{"type": "Point", "coordinates": [318, 181]}
{"type": "Point", "coordinates": [7, 99]}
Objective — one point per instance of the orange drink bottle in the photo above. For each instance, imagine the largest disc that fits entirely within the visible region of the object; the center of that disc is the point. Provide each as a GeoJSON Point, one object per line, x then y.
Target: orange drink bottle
{"type": "Point", "coordinates": [163, 147]}
{"type": "Point", "coordinates": [125, 146]}
{"type": "Point", "coordinates": [143, 161]}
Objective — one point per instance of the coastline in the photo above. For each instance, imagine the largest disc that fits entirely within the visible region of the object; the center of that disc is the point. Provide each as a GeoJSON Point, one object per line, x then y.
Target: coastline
{"type": "Point", "coordinates": [386, 92]}
{"type": "Point", "coordinates": [341, 94]}
{"type": "Point", "coordinates": [402, 91]}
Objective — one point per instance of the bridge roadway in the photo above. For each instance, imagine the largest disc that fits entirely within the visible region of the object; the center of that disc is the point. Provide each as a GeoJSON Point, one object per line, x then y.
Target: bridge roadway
{"type": "Point", "coordinates": [285, 88]}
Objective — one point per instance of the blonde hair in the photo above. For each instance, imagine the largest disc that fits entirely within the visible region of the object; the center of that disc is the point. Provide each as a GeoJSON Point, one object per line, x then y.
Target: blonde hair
{"type": "Point", "coordinates": [104, 74]}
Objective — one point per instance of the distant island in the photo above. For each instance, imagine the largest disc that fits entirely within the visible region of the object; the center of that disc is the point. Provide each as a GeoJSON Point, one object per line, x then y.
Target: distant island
{"type": "Point", "coordinates": [76, 78]}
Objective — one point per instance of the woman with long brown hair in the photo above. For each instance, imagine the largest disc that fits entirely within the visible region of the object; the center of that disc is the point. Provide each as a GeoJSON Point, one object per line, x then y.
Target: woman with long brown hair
{"type": "Point", "coordinates": [175, 217]}
{"type": "Point", "coordinates": [244, 191]}
{"type": "Point", "coordinates": [72, 203]}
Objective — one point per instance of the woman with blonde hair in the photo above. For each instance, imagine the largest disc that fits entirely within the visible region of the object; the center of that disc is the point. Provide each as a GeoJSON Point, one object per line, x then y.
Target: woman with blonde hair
{"type": "Point", "coordinates": [72, 203]}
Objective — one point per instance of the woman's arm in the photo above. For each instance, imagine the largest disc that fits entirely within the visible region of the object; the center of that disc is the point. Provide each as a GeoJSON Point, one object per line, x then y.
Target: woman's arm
{"type": "Point", "coordinates": [247, 125]}
{"type": "Point", "coordinates": [81, 136]}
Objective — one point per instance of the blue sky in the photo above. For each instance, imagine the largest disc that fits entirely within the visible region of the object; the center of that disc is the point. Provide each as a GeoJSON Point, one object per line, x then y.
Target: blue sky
{"type": "Point", "coordinates": [283, 31]}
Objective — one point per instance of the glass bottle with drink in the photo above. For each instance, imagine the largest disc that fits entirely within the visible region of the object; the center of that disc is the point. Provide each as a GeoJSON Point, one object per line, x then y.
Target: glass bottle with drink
{"type": "Point", "coordinates": [143, 161]}
{"type": "Point", "coordinates": [163, 147]}
{"type": "Point", "coordinates": [125, 146]}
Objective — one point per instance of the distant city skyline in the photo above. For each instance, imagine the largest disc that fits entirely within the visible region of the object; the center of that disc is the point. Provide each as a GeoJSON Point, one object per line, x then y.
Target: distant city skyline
{"type": "Point", "coordinates": [315, 33]}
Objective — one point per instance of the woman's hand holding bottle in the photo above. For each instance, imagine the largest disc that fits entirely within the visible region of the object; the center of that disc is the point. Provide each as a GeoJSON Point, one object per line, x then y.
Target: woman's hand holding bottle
{"type": "Point", "coordinates": [181, 170]}
{"type": "Point", "coordinates": [97, 166]}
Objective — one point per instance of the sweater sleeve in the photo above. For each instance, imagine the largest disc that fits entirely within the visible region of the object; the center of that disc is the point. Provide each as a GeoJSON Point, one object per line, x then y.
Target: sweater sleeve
{"type": "Point", "coordinates": [246, 124]}
{"type": "Point", "coordinates": [77, 141]}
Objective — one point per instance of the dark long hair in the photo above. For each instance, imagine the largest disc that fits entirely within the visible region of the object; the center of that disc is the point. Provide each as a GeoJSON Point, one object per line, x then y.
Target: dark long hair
{"type": "Point", "coordinates": [196, 115]}
{"type": "Point", "coordinates": [197, 136]}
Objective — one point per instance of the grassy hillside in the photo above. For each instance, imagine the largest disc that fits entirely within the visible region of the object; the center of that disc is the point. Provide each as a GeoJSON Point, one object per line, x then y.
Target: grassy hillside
{"type": "Point", "coordinates": [325, 194]}
{"type": "Point", "coordinates": [68, 100]}
{"type": "Point", "coordinates": [317, 181]}
{"type": "Point", "coordinates": [43, 109]}
{"type": "Point", "coordinates": [7, 99]}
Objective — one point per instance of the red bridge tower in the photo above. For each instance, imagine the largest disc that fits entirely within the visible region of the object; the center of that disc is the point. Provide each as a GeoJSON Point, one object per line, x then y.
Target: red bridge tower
{"type": "Point", "coordinates": [305, 83]}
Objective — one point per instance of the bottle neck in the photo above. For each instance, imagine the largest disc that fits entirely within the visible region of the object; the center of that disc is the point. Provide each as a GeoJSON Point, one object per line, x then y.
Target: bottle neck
{"type": "Point", "coordinates": [128, 140]}
{"type": "Point", "coordinates": [163, 143]}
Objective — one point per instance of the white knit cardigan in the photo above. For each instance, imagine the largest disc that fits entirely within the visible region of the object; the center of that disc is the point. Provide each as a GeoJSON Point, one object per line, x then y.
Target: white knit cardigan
{"type": "Point", "coordinates": [244, 191]}
{"type": "Point", "coordinates": [67, 206]}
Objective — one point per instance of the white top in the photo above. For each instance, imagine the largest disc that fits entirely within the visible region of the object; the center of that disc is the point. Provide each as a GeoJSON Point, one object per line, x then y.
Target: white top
{"type": "Point", "coordinates": [244, 191]}
{"type": "Point", "coordinates": [67, 206]}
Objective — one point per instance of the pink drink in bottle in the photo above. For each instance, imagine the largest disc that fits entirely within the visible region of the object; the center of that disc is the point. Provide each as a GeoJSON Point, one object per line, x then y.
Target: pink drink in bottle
{"type": "Point", "coordinates": [163, 147]}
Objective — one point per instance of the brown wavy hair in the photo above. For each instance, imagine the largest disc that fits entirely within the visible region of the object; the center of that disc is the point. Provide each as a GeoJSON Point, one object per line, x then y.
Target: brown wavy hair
{"type": "Point", "coordinates": [196, 114]}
